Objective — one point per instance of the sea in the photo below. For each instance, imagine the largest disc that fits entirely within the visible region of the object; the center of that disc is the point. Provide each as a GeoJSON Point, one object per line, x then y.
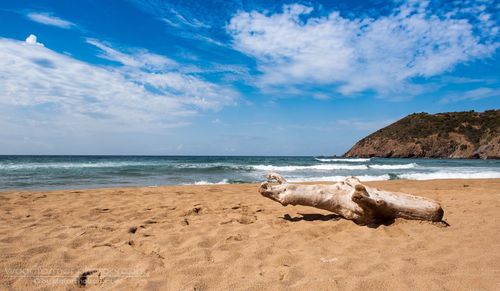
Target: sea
{"type": "Point", "coordinates": [76, 172]}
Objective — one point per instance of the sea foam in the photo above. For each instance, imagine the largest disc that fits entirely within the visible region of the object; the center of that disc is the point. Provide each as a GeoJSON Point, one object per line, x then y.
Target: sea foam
{"type": "Point", "coordinates": [339, 178]}
{"type": "Point", "coordinates": [348, 160]}
{"type": "Point", "coordinates": [202, 182]}
{"type": "Point", "coordinates": [393, 167]}
{"type": "Point", "coordinates": [450, 175]}
{"type": "Point", "coordinates": [322, 167]}
{"type": "Point", "coordinates": [66, 165]}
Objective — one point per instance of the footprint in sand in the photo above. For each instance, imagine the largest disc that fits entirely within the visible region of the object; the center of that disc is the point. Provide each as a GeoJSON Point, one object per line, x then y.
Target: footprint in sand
{"type": "Point", "coordinates": [101, 210]}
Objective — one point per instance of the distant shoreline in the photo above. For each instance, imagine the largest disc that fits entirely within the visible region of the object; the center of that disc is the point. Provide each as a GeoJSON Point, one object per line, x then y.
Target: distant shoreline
{"type": "Point", "coordinates": [247, 156]}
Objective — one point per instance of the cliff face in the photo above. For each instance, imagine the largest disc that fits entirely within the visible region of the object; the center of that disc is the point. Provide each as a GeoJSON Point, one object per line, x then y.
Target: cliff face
{"type": "Point", "coordinates": [442, 135]}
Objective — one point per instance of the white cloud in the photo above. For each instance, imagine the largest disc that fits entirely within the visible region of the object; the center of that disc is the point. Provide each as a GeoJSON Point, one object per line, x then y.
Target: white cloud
{"type": "Point", "coordinates": [164, 10]}
{"type": "Point", "coordinates": [165, 76]}
{"type": "Point", "coordinates": [140, 59]}
{"type": "Point", "coordinates": [472, 95]}
{"type": "Point", "coordinates": [31, 39]}
{"type": "Point", "coordinates": [48, 19]}
{"type": "Point", "coordinates": [192, 22]}
{"type": "Point", "coordinates": [53, 90]}
{"type": "Point", "coordinates": [357, 54]}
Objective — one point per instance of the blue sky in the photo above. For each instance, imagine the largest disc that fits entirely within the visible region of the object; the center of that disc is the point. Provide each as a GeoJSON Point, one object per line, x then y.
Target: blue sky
{"type": "Point", "coordinates": [235, 77]}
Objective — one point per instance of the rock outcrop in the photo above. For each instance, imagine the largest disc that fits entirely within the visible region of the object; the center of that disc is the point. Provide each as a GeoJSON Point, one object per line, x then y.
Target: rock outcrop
{"type": "Point", "coordinates": [443, 135]}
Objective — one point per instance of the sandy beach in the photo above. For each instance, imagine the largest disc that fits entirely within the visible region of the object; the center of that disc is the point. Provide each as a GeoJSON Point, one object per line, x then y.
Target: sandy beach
{"type": "Point", "coordinates": [228, 237]}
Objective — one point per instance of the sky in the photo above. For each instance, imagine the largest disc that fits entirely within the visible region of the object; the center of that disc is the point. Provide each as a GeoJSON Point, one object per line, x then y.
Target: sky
{"type": "Point", "coordinates": [215, 77]}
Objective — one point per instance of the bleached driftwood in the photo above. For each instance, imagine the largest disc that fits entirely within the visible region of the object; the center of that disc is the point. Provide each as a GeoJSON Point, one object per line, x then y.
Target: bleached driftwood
{"type": "Point", "coordinates": [353, 200]}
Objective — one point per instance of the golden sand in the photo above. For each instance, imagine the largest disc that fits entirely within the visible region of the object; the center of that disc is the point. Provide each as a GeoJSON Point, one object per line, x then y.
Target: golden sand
{"type": "Point", "coordinates": [228, 237]}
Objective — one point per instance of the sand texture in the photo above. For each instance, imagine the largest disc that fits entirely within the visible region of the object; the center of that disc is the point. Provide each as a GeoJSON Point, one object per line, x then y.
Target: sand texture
{"type": "Point", "coordinates": [228, 237]}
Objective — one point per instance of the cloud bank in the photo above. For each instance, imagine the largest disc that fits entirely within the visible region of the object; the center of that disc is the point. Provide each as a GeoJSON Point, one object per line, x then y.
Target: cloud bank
{"type": "Point", "coordinates": [143, 92]}
{"type": "Point", "coordinates": [352, 55]}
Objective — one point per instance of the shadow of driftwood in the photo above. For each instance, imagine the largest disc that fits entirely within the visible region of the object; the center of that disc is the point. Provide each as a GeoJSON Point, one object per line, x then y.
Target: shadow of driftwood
{"type": "Point", "coordinates": [330, 217]}
{"type": "Point", "coordinates": [335, 217]}
{"type": "Point", "coordinates": [385, 222]}
{"type": "Point", "coordinates": [311, 217]}
{"type": "Point", "coordinates": [442, 224]}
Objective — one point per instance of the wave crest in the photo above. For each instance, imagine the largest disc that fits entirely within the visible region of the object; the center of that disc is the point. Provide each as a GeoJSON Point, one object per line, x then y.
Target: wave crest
{"type": "Point", "coordinates": [450, 175]}
{"type": "Point", "coordinates": [313, 167]}
{"type": "Point", "coordinates": [33, 166]}
{"type": "Point", "coordinates": [339, 178]}
{"type": "Point", "coordinates": [202, 182]}
{"type": "Point", "coordinates": [393, 167]}
{"type": "Point", "coordinates": [348, 160]}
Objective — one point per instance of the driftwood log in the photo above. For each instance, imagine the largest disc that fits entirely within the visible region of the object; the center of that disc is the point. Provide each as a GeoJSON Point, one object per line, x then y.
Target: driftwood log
{"type": "Point", "coordinates": [352, 200]}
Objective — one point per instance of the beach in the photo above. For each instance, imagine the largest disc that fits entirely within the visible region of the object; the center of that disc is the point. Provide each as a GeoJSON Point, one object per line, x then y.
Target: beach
{"type": "Point", "coordinates": [228, 237]}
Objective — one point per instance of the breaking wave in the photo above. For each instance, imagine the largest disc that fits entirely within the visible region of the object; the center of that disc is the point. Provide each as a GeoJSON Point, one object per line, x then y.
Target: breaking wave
{"type": "Point", "coordinates": [339, 178]}
{"type": "Point", "coordinates": [450, 175]}
{"type": "Point", "coordinates": [202, 182]}
{"type": "Point", "coordinates": [393, 167]}
{"type": "Point", "coordinates": [34, 166]}
{"type": "Point", "coordinates": [348, 160]}
{"type": "Point", "coordinates": [314, 167]}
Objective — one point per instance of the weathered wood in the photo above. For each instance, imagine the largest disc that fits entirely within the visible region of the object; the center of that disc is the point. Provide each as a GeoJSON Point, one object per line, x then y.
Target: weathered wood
{"type": "Point", "coordinates": [353, 200]}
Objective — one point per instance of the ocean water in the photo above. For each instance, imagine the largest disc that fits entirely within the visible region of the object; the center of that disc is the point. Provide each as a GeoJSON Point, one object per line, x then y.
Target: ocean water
{"type": "Point", "coordinates": [73, 172]}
